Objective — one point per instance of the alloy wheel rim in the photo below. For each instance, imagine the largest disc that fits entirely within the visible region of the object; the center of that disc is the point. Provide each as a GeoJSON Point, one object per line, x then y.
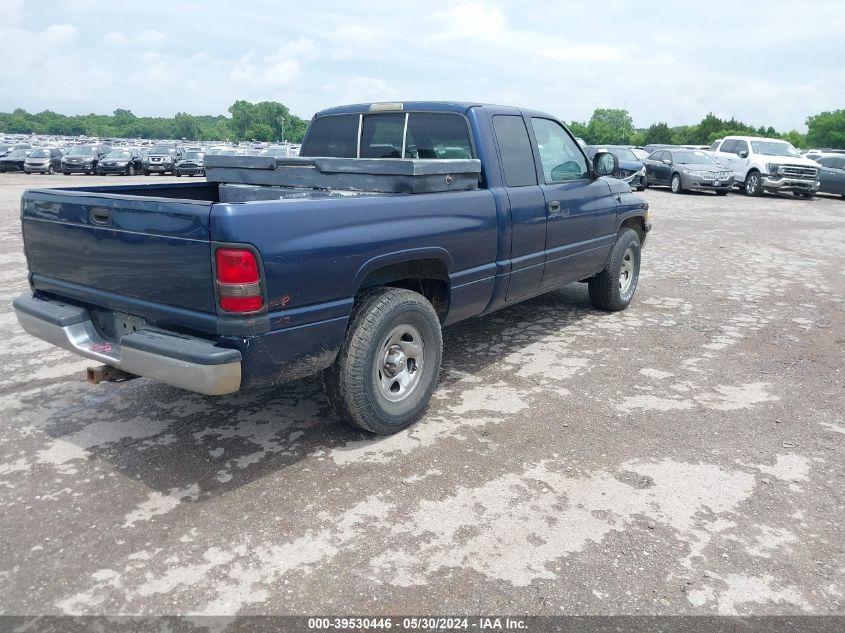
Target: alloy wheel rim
{"type": "Point", "coordinates": [399, 363]}
{"type": "Point", "coordinates": [626, 272]}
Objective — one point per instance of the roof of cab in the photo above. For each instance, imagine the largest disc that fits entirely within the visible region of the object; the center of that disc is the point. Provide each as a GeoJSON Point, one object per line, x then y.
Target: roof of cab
{"type": "Point", "coordinates": [402, 106]}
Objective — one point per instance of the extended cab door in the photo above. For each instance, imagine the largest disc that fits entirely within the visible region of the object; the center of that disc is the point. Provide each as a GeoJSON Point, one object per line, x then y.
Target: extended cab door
{"type": "Point", "coordinates": [527, 205]}
{"type": "Point", "coordinates": [580, 211]}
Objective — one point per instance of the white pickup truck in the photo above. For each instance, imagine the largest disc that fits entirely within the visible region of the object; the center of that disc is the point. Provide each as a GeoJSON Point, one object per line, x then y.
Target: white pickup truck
{"type": "Point", "coordinates": [768, 164]}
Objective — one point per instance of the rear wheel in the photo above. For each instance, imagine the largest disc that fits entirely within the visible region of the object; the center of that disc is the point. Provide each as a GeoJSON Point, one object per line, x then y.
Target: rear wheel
{"type": "Point", "coordinates": [753, 184]}
{"type": "Point", "coordinates": [614, 287]}
{"type": "Point", "coordinates": [387, 367]}
{"type": "Point", "coordinates": [50, 170]}
{"type": "Point", "coordinates": [177, 173]}
{"type": "Point", "coordinates": [66, 173]}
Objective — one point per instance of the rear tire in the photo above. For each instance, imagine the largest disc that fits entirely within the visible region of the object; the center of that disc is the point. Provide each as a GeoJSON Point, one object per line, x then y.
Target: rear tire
{"type": "Point", "coordinates": [614, 287]}
{"type": "Point", "coordinates": [177, 173]}
{"type": "Point", "coordinates": [388, 365]}
{"type": "Point", "coordinates": [50, 170]}
{"type": "Point", "coordinates": [753, 184]}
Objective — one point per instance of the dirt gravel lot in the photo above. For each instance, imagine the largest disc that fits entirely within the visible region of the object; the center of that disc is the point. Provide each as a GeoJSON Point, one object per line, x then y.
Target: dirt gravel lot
{"type": "Point", "coordinates": [684, 456]}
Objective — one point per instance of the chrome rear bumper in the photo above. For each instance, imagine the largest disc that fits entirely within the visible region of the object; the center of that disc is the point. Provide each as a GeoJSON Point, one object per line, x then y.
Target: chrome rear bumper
{"type": "Point", "coordinates": [187, 362]}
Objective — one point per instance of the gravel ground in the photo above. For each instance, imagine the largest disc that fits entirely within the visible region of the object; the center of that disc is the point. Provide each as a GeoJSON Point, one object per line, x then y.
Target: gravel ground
{"type": "Point", "coordinates": [682, 457]}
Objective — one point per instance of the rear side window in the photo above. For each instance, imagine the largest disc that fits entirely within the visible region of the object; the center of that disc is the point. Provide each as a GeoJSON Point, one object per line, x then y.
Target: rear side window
{"type": "Point", "coordinates": [741, 146]}
{"type": "Point", "coordinates": [728, 146]}
{"type": "Point", "coordinates": [333, 136]}
{"type": "Point", "coordinates": [515, 147]}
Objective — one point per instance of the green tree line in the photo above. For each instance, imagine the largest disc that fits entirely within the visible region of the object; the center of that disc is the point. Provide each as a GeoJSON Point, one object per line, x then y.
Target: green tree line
{"type": "Point", "coordinates": [263, 121]}
{"type": "Point", "coordinates": [272, 121]}
{"type": "Point", "coordinates": [615, 126]}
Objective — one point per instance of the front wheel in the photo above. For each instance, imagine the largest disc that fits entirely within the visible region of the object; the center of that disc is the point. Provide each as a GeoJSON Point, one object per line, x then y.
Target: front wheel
{"type": "Point", "coordinates": [753, 185]}
{"type": "Point", "coordinates": [721, 193]}
{"type": "Point", "coordinates": [130, 170]}
{"type": "Point", "coordinates": [388, 365]}
{"type": "Point", "coordinates": [177, 173]}
{"type": "Point", "coordinates": [677, 186]}
{"type": "Point", "coordinates": [614, 287]}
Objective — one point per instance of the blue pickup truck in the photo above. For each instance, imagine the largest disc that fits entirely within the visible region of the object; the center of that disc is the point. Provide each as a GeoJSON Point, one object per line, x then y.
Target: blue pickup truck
{"type": "Point", "coordinates": [245, 281]}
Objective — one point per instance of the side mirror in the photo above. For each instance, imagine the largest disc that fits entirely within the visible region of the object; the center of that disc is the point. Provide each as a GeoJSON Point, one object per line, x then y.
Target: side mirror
{"type": "Point", "coordinates": [743, 154]}
{"type": "Point", "coordinates": [666, 161]}
{"type": "Point", "coordinates": [605, 164]}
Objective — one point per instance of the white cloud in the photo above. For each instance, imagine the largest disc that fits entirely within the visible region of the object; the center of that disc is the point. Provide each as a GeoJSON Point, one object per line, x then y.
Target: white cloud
{"type": "Point", "coordinates": [560, 57]}
{"type": "Point", "coordinates": [471, 20]}
{"type": "Point", "coordinates": [149, 38]}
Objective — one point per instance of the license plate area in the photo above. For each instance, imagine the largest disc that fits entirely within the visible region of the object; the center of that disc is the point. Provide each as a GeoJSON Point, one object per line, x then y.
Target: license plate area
{"type": "Point", "coordinates": [113, 326]}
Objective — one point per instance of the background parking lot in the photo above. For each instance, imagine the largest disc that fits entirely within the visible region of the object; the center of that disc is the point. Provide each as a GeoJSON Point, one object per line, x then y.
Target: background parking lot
{"type": "Point", "coordinates": [683, 456]}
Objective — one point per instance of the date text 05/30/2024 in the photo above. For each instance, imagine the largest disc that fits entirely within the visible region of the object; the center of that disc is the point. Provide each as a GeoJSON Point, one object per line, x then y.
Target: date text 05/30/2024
{"type": "Point", "coordinates": [419, 623]}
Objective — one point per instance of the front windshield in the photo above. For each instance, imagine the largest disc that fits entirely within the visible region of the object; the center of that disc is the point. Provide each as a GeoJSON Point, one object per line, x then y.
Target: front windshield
{"type": "Point", "coordinates": [693, 158]}
{"type": "Point", "coordinates": [194, 155]}
{"type": "Point", "coordinates": [774, 148]}
{"type": "Point", "coordinates": [622, 153]}
{"type": "Point", "coordinates": [82, 151]}
{"type": "Point", "coordinates": [120, 153]}
{"type": "Point", "coordinates": [40, 153]}
{"type": "Point", "coordinates": [163, 149]}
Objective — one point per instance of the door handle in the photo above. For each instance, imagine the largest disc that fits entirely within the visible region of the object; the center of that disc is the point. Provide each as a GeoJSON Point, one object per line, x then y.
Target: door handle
{"type": "Point", "coordinates": [101, 216]}
{"type": "Point", "coordinates": [554, 207]}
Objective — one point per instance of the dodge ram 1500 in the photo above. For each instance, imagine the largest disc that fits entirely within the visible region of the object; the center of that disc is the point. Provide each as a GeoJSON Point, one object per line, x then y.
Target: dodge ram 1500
{"type": "Point", "coordinates": [397, 219]}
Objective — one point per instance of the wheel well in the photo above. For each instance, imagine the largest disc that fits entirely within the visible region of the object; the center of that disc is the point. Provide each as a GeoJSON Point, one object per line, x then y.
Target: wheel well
{"type": "Point", "coordinates": [429, 277]}
{"type": "Point", "coordinates": [636, 224]}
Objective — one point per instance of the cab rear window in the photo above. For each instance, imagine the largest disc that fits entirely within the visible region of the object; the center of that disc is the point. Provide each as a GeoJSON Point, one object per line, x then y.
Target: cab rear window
{"type": "Point", "coordinates": [390, 135]}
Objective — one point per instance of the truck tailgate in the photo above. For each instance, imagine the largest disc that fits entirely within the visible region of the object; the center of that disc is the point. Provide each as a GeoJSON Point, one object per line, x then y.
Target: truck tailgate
{"type": "Point", "coordinates": [149, 249]}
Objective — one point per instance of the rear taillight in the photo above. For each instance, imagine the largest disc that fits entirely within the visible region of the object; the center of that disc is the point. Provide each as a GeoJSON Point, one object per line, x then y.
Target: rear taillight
{"type": "Point", "coordinates": [238, 280]}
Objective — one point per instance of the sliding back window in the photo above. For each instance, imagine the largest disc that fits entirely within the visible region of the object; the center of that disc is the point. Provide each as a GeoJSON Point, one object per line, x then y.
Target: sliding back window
{"type": "Point", "coordinates": [391, 135]}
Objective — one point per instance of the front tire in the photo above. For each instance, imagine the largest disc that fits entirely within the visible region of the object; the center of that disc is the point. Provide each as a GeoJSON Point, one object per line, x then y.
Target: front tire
{"type": "Point", "coordinates": [130, 170]}
{"type": "Point", "coordinates": [388, 365]}
{"type": "Point", "coordinates": [676, 184]}
{"type": "Point", "coordinates": [614, 287]}
{"type": "Point", "coordinates": [177, 173]}
{"type": "Point", "coordinates": [753, 185]}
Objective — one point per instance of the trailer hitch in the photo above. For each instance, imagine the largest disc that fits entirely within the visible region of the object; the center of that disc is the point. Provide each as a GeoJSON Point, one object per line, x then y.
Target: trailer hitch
{"type": "Point", "coordinates": [106, 373]}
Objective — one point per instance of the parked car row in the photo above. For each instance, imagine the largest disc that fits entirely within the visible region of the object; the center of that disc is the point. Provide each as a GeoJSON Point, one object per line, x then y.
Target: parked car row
{"type": "Point", "coordinates": [754, 165]}
{"type": "Point", "coordinates": [51, 155]}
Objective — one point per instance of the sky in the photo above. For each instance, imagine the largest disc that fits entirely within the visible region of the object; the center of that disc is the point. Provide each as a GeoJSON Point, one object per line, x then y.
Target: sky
{"type": "Point", "coordinates": [765, 63]}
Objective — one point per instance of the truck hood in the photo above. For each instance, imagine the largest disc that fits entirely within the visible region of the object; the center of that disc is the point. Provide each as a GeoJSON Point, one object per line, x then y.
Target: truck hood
{"type": "Point", "coordinates": [787, 160]}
